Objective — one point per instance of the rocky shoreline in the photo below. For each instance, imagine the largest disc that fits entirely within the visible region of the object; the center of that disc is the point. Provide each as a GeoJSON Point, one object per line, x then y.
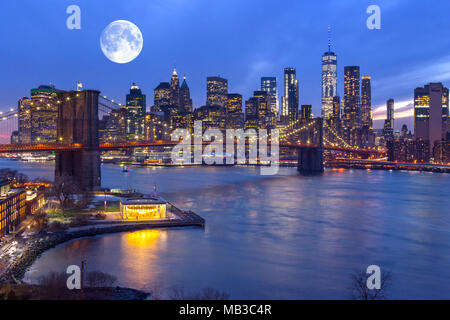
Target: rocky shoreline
{"type": "Point", "coordinates": [39, 245]}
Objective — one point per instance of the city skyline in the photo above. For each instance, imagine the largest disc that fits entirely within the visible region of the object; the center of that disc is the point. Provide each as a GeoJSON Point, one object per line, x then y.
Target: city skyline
{"type": "Point", "coordinates": [300, 47]}
{"type": "Point", "coordinates": [192, 150]}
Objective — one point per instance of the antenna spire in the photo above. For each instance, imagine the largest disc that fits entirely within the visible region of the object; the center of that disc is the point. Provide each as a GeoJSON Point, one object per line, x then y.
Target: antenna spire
{"type": "Point", "coordinates": [329, 38]}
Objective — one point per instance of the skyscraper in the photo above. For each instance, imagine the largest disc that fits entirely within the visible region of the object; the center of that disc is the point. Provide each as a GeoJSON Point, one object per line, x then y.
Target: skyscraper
{"type": "Point", "coordinates": [251, 113]}
{"type": "Point", "coordinates": [175, 89]}
{"type": "Point", "coordinates": [135, 110]}
{"type": "Point", "coordinates": [216, 91]}
{"type": "Point", "coordinates": [306, 111]}
{"type": "Point", "coordinates": [335, 120]}
{"type": "Point", "coordinates": [25, 108]}
{"type": "Point", "coordinates": [235, 117]}
{"type": "Point", "coordinates": [185, 97]}
{"type": "Point", "coordinates": [263, 108]}
{"type": "Point", "coordinates": [390, 112]}
{"type": "Point", "coordinates": [269, 85]}
{"type": "Point", "coordinates": [114, 125]}
{"type": "Point", "coordinates": [289, 108]}
{"type": "Point", "coordinates": [366, 103]}
{"type": "Point", "coordinates": [38, 115]}
{"type": "Point", "coordinates": [388, 130]}
{"type": "Point", "coordinates": [352, 101]}
{"type": "Point", "coordinates": [336, 108]}
{"type": "Point", "coordinates": [234, 103]}
{"type": "Point", "coordinates": [431, 113]}
{"type": "Point", "coordinates": [161, 96]}
{"type": "Point", "coordinates": [329, 81]}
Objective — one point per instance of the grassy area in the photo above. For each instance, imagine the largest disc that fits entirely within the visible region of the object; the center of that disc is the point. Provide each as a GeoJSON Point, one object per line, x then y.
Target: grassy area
{"type": "Point", "coordinates": [94, 208]}
{"type": "Point", "coordinates": [59, 219]}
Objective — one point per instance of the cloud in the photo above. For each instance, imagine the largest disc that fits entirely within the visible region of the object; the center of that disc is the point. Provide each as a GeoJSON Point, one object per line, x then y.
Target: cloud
{"type": "Point", "coordinates": [256, 70]}
{"type": "Point", "coordinates": [403, 109]}
{"type": "Point", "coordinates": [437, 71]}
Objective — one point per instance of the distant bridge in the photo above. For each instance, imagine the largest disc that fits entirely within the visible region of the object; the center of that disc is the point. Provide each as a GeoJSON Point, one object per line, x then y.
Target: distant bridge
{"type": "Point", "coordinates": [105, 146]}
{"type": "Point", "coordinates": [78, 153]}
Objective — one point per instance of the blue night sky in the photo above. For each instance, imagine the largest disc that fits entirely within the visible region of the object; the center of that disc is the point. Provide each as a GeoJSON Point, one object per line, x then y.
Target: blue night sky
{"type": "Point", "coordinates": [240, 40]}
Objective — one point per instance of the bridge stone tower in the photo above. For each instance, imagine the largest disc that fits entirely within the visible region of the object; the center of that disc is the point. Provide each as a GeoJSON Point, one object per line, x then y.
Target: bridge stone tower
{"type": "Point", "coordinates": [311, 159]}
{"type": "Point", "coordinates": [78, 123]}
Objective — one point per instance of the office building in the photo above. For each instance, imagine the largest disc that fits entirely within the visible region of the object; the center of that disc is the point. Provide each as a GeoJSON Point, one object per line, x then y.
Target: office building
{"type": "Point", "coordinates": [352, 101]}
{"type": "Point", "coordinates": [290, 103]}
{"type": "Point", "coordinates": [161, 96]}
{"type": "Point", "coordinates": [388, 130]}
{"type": "Point", "coordinates": [175, 89]}
{"type": "Point", "coordinates": [185, 97]}
{"type": "Point", "coordinates": [38, 116]}
{"type": "Point", "coordinates": [366, 103]}
{"type": "Point", "coordinates": [235, 117]}
{"type": "Point", "coordinates": [12, 207]}
{"type": "Point", "coordinates": [269, 85]}
{"type": "Point", "coordinates": [136, 107]}
{"type": "Point", "coordinates": [306, 111]}
{"type": "Point", "coordinates": [234, 103]}
{"type": "Point", "coordinates": [251, 113]}
{"type": "Point", "coordinates": [336, 108]}
{"type": "Point", "coordinates": [216, 91]}
{"type": "Point", "coordinates": [431, 113]}
{"type": "Point", "coordinates": [329, 81]}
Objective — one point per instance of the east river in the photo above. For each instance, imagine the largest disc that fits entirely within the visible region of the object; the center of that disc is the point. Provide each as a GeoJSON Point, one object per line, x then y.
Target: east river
{"type": "Point", "coordinates": [274, 237]}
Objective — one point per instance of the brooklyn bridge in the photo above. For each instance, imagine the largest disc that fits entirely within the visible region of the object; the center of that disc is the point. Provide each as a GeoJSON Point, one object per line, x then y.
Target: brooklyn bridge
{"type": "Point", "coordinates": [79, 144]}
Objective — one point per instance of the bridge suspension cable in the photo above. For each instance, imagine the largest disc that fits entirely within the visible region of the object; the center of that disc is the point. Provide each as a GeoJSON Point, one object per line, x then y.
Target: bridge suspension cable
{"type": "Point", "coordinates": [294, 131]}
{"type": "Point", "coordinates": [111, 102]}
{"type": "Point", "coordinates": [344, 143]}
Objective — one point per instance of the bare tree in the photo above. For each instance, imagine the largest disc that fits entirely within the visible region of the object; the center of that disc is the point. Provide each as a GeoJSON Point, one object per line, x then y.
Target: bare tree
{"type": "Point", "coordinates": [360, 291]}
{"type": "Point", "coordinates": [39, 220]}
{"type": "Point", "coordinates": [100, 279]}
{"type": "Point", "coordinates": [178, 293]}
{"type": "Point", "coordinates": [13, 175]}
{"type": "Point", "coordinates": [84, 200]}
{"type": "Point", "coordinates": [211, 294]}
{"type": "Point", "coordinates": [64, 189]}
{"type": "Point", "coordinates": [54, 286]}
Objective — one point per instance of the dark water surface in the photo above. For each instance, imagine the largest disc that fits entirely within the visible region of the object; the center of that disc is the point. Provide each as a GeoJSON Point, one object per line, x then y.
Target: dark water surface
{"type": "Point", "coordinates": [282, 237]}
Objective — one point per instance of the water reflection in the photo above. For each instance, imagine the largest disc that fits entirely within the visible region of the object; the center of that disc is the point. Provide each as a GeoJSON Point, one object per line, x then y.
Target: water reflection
{"type": "Point", "coordinates": [139, 255]}
{"type": "Point", "coordinates": [144, 239]}
{"type": "Point", "coordinates": [286, 236]}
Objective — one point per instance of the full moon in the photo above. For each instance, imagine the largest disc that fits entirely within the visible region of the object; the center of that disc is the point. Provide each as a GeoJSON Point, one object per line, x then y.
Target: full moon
{"type": "Point", "coordinates": [121, 41]}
